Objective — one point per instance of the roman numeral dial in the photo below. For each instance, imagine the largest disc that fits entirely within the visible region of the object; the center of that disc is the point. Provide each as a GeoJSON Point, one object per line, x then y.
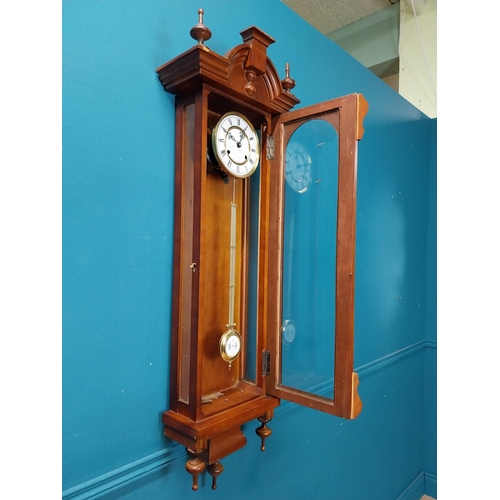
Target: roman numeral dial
{"type": "Point", "coordinates": [236, 145]}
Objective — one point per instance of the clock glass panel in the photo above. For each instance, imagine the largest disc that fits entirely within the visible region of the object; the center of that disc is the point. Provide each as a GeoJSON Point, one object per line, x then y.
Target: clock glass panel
{"type": "Point", "coordinates": [253, 252]}
{"type": "Point", "coordinates": [309, 258]}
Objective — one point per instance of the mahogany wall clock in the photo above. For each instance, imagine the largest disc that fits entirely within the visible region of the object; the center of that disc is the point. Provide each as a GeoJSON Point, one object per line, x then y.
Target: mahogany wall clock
{"type": "Point", "coordinates": [253, 318]}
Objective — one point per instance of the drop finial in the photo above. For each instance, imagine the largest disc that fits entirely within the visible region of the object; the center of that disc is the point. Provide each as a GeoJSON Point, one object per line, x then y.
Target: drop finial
{"type": "Point", "coordinates": [200, 32]}
{"type": "Point", "coordinates": [263, 431]}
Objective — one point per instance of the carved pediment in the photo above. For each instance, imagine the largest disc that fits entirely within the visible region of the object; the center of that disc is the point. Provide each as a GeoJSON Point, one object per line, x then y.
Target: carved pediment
{"type": "Point", "coordinates": [245, 72]}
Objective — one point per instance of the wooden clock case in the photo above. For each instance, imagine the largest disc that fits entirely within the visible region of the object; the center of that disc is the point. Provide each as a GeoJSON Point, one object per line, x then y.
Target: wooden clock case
{"type": "Point", "coordinates": [209, 400]}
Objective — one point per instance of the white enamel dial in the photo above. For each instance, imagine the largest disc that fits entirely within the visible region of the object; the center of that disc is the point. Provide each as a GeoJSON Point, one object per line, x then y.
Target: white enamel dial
{"type": "Point", "coordinates": [298, 167]}
{"type": "Point", "coordinates": [230, 345]}
{"type": "Point", "coordinates": [236, 145]}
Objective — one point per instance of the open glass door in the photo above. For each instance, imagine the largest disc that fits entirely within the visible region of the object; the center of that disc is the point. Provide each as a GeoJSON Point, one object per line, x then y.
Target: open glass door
{"type": "Point", "coordinates": [313, 216]}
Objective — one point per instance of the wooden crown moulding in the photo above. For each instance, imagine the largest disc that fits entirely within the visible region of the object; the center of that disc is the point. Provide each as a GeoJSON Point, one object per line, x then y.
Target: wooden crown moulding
{"type": "Point", "coordinates": [245, 72]}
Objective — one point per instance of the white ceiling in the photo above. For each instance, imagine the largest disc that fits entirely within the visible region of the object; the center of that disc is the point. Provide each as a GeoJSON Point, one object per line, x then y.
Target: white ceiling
{"type": "Point", "coordinates": [329, 15]}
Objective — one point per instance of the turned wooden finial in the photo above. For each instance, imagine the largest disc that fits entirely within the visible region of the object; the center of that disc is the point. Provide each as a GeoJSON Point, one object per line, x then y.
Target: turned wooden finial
{"type": "Point", "coordinates": [263, 431]}
{"type": "Point", "coordinates": [195, 466]}
{"type": "Point", "coordinates": [215, 470]}
{"type": "Point", "coordinates": [287, 83]}
{"type": "Point", "coordinates": [250, 87]}
{"type": "Point", "coordinates": [200, 32]}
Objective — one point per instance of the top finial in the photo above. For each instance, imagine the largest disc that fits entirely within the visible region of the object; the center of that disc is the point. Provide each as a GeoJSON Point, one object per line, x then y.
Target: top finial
{"type": "Point", "coordinates": [287, 83]}
{"type": "Point", "coordinates": [200, 32]}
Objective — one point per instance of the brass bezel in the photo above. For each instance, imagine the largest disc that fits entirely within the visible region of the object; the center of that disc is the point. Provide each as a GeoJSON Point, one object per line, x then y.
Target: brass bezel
{"type": "Point", "coordinates": [223, 342]}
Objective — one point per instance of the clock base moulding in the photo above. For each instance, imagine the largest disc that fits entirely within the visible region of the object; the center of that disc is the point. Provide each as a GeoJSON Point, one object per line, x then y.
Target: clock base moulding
{"type": "Point", "coordinates": [218, 435]}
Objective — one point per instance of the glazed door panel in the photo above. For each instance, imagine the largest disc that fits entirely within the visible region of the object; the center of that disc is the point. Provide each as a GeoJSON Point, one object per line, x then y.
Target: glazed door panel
{"type": "Point", "coordinates": [312, 316]}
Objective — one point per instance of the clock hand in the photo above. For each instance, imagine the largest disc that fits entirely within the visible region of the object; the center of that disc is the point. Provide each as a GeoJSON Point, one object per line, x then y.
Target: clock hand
{"type": "Point", "coordinates": [242, 136]}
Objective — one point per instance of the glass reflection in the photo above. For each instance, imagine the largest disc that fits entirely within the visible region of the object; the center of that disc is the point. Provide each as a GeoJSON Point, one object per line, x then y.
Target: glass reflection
{"type": "Point", "coordinates": [253, 254]}
{"type": "Point", "coordinates": [310, 218]}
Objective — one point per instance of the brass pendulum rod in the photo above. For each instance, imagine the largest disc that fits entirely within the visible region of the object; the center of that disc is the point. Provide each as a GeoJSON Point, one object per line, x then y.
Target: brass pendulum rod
{"type": "Point", "coordinates": [232, 261]}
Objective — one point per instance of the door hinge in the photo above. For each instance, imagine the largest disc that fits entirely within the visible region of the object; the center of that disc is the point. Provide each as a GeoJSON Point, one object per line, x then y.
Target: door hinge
{"type": "Point", "coordinates": [270, 147]}
{"type": "Point", "coordinates": [266, 363]}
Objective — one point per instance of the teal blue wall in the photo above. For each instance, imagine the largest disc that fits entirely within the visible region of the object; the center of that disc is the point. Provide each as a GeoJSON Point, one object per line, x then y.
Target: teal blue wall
{"type": "Point", "coordinates": [118, 151]}
{"type": "Point", "coordinates": [430, 382]}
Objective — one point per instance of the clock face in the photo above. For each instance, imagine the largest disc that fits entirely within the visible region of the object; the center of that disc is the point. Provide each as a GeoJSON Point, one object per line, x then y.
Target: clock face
{"type": "Point", "coordinates": [298, 167]}
{"type": "Point", "coordinates": [236, 145]}
{"type": "Point", "coordinates": [230, 345]}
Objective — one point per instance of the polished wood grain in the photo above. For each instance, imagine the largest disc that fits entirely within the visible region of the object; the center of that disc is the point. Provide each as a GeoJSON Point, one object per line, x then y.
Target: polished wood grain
{"type": "Point", "coordinates": [209, 401]}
